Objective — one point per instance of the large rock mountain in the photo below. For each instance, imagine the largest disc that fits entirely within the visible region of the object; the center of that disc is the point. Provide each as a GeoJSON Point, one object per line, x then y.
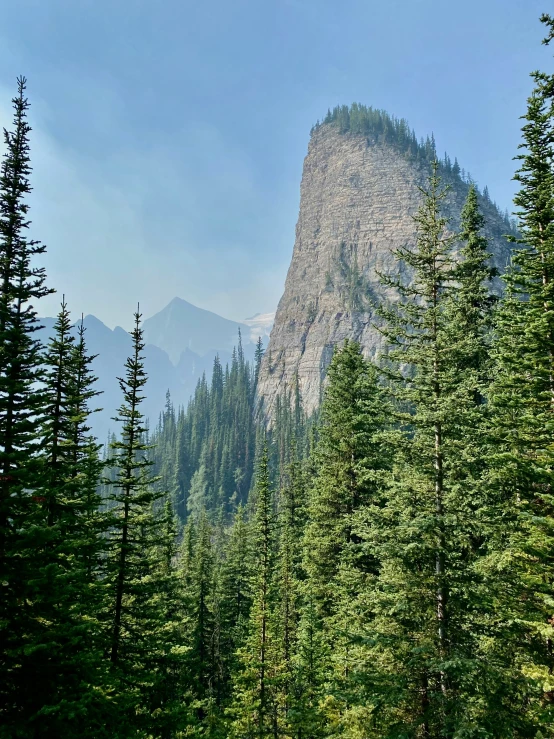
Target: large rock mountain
{"type": "Point", "coordinates": [358, 196]}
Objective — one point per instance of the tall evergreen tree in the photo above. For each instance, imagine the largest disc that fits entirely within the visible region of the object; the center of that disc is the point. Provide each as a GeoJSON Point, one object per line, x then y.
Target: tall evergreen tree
{"type": "Point", "coordinates": [254, 704]}
{"type": "Point", "coordinates": [169, 691]}
{"type": "Point", "coordinates": [201, 664]}
{"type": "Point", "coordinates": [258, 356]}
{"type": "Point", "coordinates": [522, 400]}
{"type": "Point", "coordinates": [431, 602]}
{"type": "Point", "coordinates": [62, 664]}
{"type": "Point", "coordinates": [54, 579]}
{"type": "Point", "coordinates": [137, 567]}
{"type": "Point", "coordinates": [291, 521]}
{"type": "Point", "coordinates": [349, 460]}
{"type": "Point", "coordinates": [85, 454]}
{"type": "Point", "coordinates": [21, 402]}
{"type": "Point", "coordinates": [237, 570]}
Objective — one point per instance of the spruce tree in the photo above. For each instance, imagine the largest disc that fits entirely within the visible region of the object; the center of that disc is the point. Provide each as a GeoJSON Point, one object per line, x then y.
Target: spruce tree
{"type": "Point", "coordinates": [291, 521]}
{"type": "Point", "coordinates": [307, 716]}
{"type": "Point", "coordinates": [62, 667]}
{"type": "Point", "coordinates": [85, 454]}
{"type": "Point", "coordinates": [169, 689]}
{"type": "Point", "coordinates": [137, 567]}
{"type": "Point", "coordinates": [258, 356]}
{"type": "Point", "coordinates": [254, 701]}
{"type": "Point", "coordinates": [349, 460]}
{"type": "Point", "coordinates": [21, 406]}
{"type": "Point", "coordinates": [432, 602]}
{"type": "Point", "coordinates": [237, 570]}
{"type": "Point", "coordinates": [54, 577]}
{"type": "Point", "coordinates": [522, 400]}
{"type": "Point", "coordinates": [58, 431]}
{"type": "Point", "coordinates": [201, 665]}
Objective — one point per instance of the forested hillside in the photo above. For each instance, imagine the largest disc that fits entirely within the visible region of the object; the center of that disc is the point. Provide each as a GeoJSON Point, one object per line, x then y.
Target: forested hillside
{"type": "Point", "coordinates": [383, 569]}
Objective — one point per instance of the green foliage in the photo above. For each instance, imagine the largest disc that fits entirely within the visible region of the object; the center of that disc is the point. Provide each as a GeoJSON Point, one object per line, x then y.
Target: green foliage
{"type": "Point", "coordinates": [521, 398]}
{"type": "Point", "coordinates": [21, 408]}
{"type": "Point", "coordinates": [347, 460]}
{"type": "Point", "coordinates": [370, 121]}
{"type": "Point", "coordinates": [204, 455]}
{"type": "Point", "coordinates": [143, 631]}
{"type": "Point", "coordinates": [390, 572]}
{"type": "Point", "coordinates": [254, 707]}
{"type": "Point", "coordinates": [354, 289]}
{"type": "Point", "coordinates": [438, 661]}
{"type": "Point", "coordinates": [64, 649]}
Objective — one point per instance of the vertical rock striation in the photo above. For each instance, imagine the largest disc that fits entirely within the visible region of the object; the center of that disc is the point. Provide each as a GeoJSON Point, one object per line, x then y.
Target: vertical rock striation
{"type": "Point", "coordinates": [357, 201]}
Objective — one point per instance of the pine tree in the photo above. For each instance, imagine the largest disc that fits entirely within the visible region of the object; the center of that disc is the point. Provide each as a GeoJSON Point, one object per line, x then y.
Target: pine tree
{"type": "Point", "coordinates": [169, 692]}
{"type": "Point", "coordinates": [208, 624]}
{"type": "Point", "coordinates": [291, 521]}
{"type": "Point", "coordinates": [522, 400]}
{"type": "Point", "coordinates": [54, 576]}
{"type": "Point", "coordinates": [137, 567]}
{"type": "Point", "coordinates": [197, 500]}
{"type": "Point", "coordinates": [200, 596]}
{"type": "Point", "coordinates": [237, 571]}
{"type": "Point", "coordinates": [258, 356]}
{"type": "Point", "coordinates": [348, 458]}
{"type": "Point", "coordinates": [348, 462]}
{"type": "Point", "coordinates": [86, 460]}
{"type": "Point", "coordinates": [432, 602]}
{"type": "Point", "coordinates": [58, 427]}
{"type": "Point", "coordinates": [21, 406]}
{"type": "Point", "coordinates": [307, 715]}
{"type": "Point", "coordinates": [254, 705]}
{"type": "Point", "coordinates": [62, 668]}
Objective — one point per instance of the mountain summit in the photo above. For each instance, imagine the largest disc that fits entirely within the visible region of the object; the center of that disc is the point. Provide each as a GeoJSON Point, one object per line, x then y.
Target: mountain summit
{"type": "Point", "coordinates": [181, 326]}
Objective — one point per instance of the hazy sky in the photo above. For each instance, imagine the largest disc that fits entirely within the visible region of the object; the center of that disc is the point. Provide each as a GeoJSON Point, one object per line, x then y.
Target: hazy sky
{"type": "Point", "coordinates": [169, 136]}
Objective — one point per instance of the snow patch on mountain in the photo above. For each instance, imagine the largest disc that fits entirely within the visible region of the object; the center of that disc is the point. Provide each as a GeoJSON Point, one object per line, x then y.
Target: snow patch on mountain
{"type": "Point", "coordinates": [260, 325]}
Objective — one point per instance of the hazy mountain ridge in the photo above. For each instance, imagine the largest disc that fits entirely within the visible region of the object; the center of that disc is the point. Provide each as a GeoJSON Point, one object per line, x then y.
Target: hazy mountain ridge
{"type": "Point", "coordinates": [175, 364]}
{"type": "Point", "coordinates": [181, 326]}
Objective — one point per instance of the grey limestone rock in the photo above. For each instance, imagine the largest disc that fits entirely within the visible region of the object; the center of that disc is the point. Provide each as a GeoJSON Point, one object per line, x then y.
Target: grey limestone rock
{"type": "Point", "coordinates": [357, 202]}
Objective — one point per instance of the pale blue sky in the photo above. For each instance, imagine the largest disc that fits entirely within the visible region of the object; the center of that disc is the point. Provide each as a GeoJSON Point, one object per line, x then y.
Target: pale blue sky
{"type": "Point", "coordinates": [169, 136]}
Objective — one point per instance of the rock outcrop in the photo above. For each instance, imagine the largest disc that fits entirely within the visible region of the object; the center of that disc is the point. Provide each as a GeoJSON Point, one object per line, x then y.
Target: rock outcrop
{"type": "Point", "coordinates": [358, 197]}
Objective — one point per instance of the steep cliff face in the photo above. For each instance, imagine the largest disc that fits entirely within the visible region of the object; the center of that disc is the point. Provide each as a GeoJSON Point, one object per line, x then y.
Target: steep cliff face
{"type": "Point", "coordinates": [357, 200]}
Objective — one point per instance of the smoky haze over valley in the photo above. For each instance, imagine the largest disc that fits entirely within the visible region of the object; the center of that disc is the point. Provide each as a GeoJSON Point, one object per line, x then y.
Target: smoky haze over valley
{"type": "Point", "coordinates": [168, 164]}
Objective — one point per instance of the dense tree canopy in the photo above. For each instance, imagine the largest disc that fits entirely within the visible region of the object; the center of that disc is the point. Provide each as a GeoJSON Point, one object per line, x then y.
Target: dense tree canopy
{"type": "Point", "coordinates": [384, 569]}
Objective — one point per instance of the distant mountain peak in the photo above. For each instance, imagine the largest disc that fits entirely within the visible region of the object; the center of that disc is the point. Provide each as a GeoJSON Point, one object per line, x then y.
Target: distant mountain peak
{"type": "Point", "coordinates": [181, 326]}
{"type": "Point", "coordinates": [177, 301]}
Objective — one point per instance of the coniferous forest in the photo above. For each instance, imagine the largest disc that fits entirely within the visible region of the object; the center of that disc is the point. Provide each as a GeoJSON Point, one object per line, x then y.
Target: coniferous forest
{"type": "Point", "coordinates": [383, 569]}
